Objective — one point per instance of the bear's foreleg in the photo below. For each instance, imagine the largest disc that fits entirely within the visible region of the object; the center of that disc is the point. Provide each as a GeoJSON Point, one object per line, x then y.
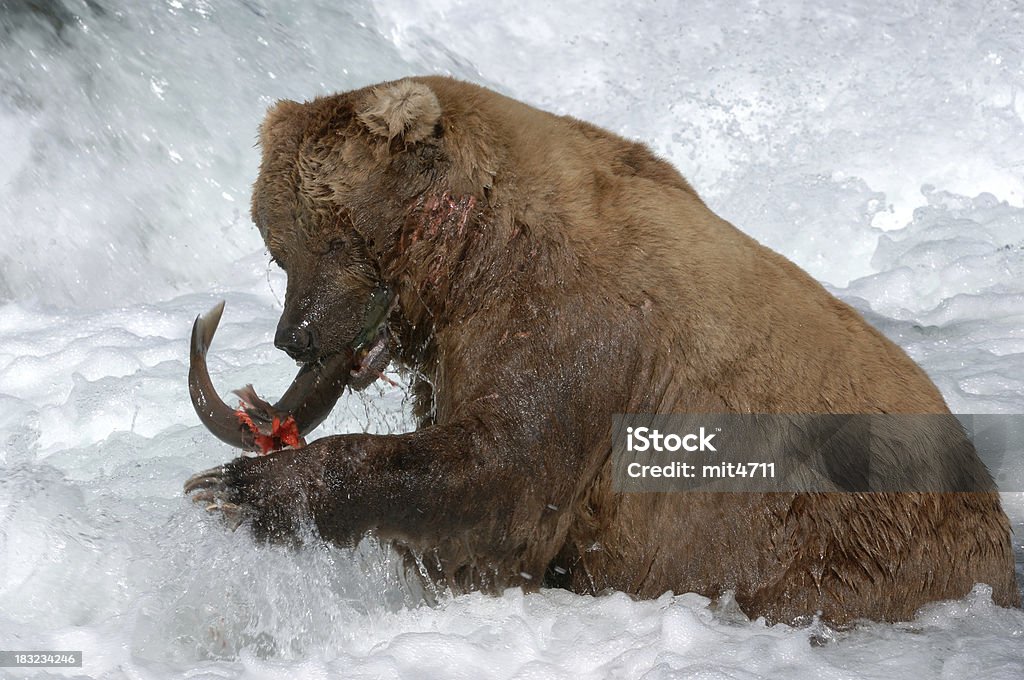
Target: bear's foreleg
{"type": "Point", "coordinates": [423, 487]}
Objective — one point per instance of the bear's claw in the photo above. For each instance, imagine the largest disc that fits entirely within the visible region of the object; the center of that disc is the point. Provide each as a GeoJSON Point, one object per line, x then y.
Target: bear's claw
{"type": "Point", "coordinates": [214, 477]}
{"type": "Point", "coordinates": [204, 496]}
{"type": "Point", "coordinates": [212, 489]}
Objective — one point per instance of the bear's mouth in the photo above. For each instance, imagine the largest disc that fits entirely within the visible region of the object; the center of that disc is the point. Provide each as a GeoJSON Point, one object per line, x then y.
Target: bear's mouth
{"type": "Point", "coordinates": [370, 354]}
{"type": "Point", "coordinates": [369, 361]}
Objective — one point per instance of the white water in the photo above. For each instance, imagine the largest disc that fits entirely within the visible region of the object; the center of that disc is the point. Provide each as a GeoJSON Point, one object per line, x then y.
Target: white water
{"type": "Point", "coordinates": [881, 147]}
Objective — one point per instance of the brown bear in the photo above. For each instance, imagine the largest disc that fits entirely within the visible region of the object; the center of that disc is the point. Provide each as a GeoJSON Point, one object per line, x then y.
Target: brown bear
{"type": "Point", "coordinates": [546, 275]}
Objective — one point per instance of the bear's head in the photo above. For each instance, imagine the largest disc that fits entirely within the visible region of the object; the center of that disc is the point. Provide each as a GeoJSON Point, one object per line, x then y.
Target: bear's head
{"type": "Point", "coordinates": [341, 181]}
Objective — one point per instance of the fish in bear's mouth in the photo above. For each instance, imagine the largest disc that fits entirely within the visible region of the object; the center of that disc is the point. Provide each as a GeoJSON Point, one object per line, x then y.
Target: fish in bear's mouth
{"type": "Point", "coordinates": [258, 425]}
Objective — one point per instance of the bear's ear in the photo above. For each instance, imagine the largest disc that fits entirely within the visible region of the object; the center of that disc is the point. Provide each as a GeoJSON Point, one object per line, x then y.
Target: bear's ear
{"type": "Point", "coordinates": [285, 119]}
{"type": "Point", "coordinates": [405, 109]}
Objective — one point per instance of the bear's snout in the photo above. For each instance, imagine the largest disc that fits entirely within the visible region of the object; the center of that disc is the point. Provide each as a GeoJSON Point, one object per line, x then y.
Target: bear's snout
{"type": "Point", "coordinates": [299, 343]}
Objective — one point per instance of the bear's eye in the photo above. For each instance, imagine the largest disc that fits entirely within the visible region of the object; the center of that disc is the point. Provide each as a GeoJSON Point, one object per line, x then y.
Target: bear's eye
{"type": "Point", "coordinates": [338, 245]}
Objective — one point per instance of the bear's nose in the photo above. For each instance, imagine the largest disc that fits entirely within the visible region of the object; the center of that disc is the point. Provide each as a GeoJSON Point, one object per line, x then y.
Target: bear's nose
{"type": "Point", "coordinates": [299, 343]}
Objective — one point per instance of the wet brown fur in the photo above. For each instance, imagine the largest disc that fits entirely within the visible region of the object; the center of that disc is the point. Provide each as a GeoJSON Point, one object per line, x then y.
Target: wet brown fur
{"type": "Point", "coordinates": [551, 274]}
